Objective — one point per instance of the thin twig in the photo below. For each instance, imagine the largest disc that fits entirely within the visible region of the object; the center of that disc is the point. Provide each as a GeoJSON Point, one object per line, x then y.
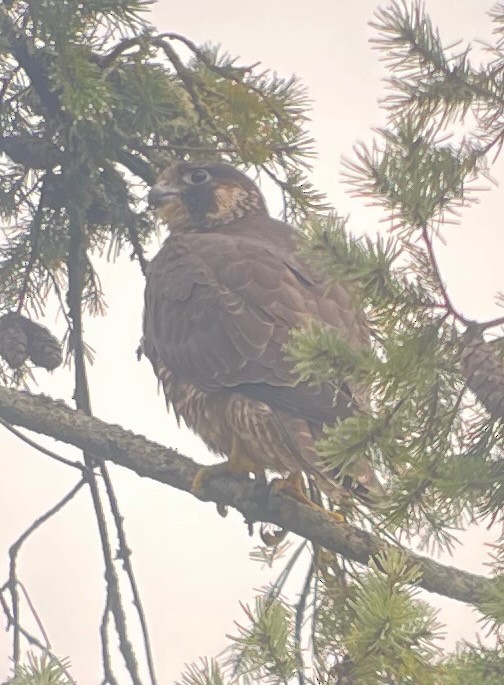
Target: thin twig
{"type": "Point", "coordinates": [225, 73]}
{"type": "Point", "coordinates": [277, 586]}
{"type": "Point", "coordinates": [137, 166]}
{"type": "Point", "coordinates": [491, 324]}
{"type": "Point", "coordinates": [185, 76]}
{"type": "Point", "coordinates": [437, 274]}
{"type": "Point", "coordinates": [222, 149]}
{"type": "Point", "coordinates": [16, 546]}
{"type": "Point", "coordinates": [299, 620]}
{"type": "Point", "coordinates": [125, 555]}
{"type": "Point", "coordinates": [34, 613]}
{"type": "Point", "coordinates": [107, 60]}
{"type": "Point", "coordinates": [59, 294]}
{"type": "Point", "coordinates": [497, 141]}
{"type": "Point", "coordinates": [12, 583]}
{"type": "Point", "coordinates": [32, 640]}
{"type": "Point", "coordinates": [314, 617]}
{"type": "Point", "coordinates": [76, 273]}
{"type": "Point", "coordinates": [160, 42]}
{"type": "Point", "coordinates": [43, 450]}
{"type": "Point", "coordinates": [108, 673]}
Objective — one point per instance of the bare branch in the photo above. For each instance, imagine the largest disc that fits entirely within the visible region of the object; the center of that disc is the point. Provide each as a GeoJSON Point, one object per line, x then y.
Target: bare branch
{"type": "Point", "coordinates": [76, 272]}
{"type": "Point", "coordinates": [32, 151]}
{"type": "Point", "coordinates": [253, 500]}
{"type": "Point", "coordinates": [12, 582]}
{"type": "Point", "coordinates": [32, 640]}
{"type": "Point", "coordinates": [437, 275]}
{"type": "Point", "coordinates": [299, 621]}
{"type": "Point", "coordinates": [185, 75]}
{"type": "Point", "coordinates": [108, 673]}
{"type": "Point", "coordinates": [124, 554]}
{"type": "Point", "coordinates": [106, 61]}
{"type": "Point", "coordinates": [138, 166]}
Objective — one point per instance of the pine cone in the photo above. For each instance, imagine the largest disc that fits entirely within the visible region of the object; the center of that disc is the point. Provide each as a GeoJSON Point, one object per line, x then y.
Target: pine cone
{"type": "Point", "coordinates": [43, 348]}
{"type": "Point", "coordinates": [21, 338]}
{"type": "Point", "coordinates": [13, 341]}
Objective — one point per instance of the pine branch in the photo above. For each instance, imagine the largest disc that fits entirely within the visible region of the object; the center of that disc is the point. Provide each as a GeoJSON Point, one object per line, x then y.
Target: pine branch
{"type": "Point", "coordinates": [13, 581]}
{"type": "Point", "coordinates": [147, 459]}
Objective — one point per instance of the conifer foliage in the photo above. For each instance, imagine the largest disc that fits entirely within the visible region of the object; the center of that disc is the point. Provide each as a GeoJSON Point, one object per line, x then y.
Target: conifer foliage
{"type": "Point", "coordinates": [436, 379]}
{"type": "Point", "coordinates": [93, 102]}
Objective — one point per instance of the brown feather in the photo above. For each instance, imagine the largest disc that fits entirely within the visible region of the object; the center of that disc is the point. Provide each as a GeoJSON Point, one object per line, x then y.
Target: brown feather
{"type": "Point", "coordinates": [220, 302]}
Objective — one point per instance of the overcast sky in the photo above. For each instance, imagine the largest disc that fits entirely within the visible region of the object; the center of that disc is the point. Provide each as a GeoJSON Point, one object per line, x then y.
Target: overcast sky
{"type": "Point", "coordinates": [193, 566]}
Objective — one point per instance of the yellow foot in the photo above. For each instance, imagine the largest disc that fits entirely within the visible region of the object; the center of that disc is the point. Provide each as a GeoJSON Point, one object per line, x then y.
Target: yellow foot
{"type": "Point", "coordinates": [293, 487]}
{"type": "Point", "coordinates": [338, 518]}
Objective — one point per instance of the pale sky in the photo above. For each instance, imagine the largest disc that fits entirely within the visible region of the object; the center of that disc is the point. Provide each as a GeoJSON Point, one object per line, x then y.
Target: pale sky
{"type": "Point", "coordinates": [192, 566]}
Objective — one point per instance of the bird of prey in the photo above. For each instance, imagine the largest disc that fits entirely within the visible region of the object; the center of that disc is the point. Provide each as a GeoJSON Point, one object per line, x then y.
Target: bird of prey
{"type": "Point", "coordinates": [222, 295]}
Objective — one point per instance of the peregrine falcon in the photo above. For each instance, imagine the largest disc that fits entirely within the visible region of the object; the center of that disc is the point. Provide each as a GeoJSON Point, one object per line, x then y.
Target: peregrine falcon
{"type": "Point", "coordinates": [222, 296]}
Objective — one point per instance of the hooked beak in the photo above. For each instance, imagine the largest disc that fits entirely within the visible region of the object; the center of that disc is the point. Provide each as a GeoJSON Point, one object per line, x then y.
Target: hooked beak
{"type": "Point", "coordinates": [159, 194]}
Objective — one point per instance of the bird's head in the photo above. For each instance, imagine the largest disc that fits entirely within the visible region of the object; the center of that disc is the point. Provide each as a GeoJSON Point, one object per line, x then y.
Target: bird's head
{"type": "Point", "coordinates": [198, 197]}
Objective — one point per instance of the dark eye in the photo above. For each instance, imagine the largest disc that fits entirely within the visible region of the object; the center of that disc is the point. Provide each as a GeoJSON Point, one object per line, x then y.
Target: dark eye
{"type": "Point", "coordinates": [197, 176]}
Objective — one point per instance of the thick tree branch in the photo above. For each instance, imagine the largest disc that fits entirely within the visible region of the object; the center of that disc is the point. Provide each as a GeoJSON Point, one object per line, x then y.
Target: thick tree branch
{"type": "Point", "coordinates": [31, 60]}
{"type": "Point", "coordinates": [109, 442]}
{"type": "Point", "coordinates": [76, 267]}
{"type": "Point", "coordinates": [31, 151]}
{"type": "Point", "coordinates": [138, 166]}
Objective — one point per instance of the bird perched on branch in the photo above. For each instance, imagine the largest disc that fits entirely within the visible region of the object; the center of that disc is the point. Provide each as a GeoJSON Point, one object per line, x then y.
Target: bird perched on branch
{"type": "Point", "coordinates": [222, 296]}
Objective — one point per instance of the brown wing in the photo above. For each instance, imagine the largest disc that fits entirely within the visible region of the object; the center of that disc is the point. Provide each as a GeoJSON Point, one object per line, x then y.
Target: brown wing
{"type": "Point", "coordinates": [218, 312]}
